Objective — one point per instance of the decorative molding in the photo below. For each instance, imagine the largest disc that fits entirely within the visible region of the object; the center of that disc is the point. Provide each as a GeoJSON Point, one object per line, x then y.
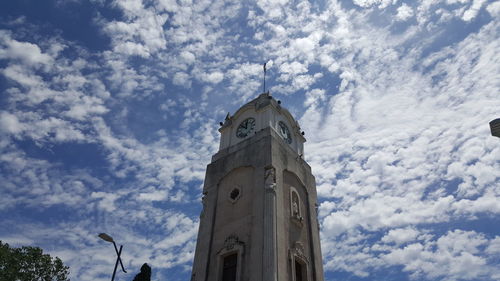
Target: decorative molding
{"type": "Point", "coordinates": [298, 250]}
{"type": "Point", "coordinates": [297, 253]}
{"type": "Point", "coordinates": [204, 203]}
{"type": "Point", "coordinates": [232, 241]}
{"type": "Point", "coordinates": [298, 221]}
{"type": "Point", "coordinates": [228, 120]}
{"type": "Point", "coordinates": [232, 244]}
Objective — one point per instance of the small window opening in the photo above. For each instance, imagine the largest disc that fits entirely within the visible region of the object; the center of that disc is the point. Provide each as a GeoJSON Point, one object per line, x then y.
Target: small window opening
{"type": "Point", "coordinates": [229, 267]}
{"type": "Point", "coordinates": [234, 194]}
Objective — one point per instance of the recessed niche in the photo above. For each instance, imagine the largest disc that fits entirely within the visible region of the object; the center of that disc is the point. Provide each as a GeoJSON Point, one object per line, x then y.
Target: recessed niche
{"type": "Point", "coordinates": [295, 207]}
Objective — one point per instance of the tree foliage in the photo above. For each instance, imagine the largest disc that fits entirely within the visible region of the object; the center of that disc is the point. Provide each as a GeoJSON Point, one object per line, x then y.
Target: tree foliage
{"type": "Point", "coordinates": [30, 264]}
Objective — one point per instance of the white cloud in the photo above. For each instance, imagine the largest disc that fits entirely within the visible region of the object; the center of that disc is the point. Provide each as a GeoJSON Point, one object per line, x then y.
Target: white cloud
{"type": "Point", "coordinates": [188, 57]}
{"type": "Point", "coordinates": [494, 9]}
{"type": "Point", "coordinates": [486, 203]}
{"type": "Point", "coordinates": [132, 48]}
{"type": "Point", "coordinates": [182, 79]}
{"type": "Point", "coordinates": [154, 195]}
{"type": "Point", "coordinates": [456, 255]}
{"type": "Point", "coordinates": [28, 53]}
{"type": "Point", "coordinates": [22, 76]}
{"type": "Point", "coordinates": [9, 123]}
{"type": "Point", "coordinates": [315, 97]}
{"type": "Point", "coordinates": [400, 235]}
{"type": "Point", "coordinates": [140, 33]}
{"type": "Point", "coordinates": [293, 68]}
{"type": "Point", "coordinates": [494, 247]}
{"type": "Point", "coordinates": [272, 8]}
{"type": "Point", "coordinates": [453, 256]}
{"type": "Point", "coordinates": [404, 12]}
{"type": "Point", "coordinates": [87, 106]}
{"type": "Point", "coordinates": [386, 176]}
{"type": "Point", "coordinates": [303, 45]}
{"type": "Point", "coordinates": [472, 12]}
{"type": "Point", "coordinates": [213, 78]}
{"type": "Point", "coordinates": [369, 3]}
{"type": "Point", "coordinates": [107, 200]}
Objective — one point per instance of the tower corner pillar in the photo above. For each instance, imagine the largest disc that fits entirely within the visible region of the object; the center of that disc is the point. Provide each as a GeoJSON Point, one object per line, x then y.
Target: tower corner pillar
{"type": "Point", "coordinates": [269, 261]}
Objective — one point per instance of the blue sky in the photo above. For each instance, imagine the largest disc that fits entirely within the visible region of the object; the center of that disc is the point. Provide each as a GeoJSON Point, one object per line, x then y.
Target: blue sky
{"type": "Point", "coordinates": [109, 113]}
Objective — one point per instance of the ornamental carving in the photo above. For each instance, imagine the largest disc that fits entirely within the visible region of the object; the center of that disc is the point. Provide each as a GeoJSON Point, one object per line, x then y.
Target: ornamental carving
{"type": "Point", "coordinates": [298, 251]}
{"type": "Point", "coordinates": [231, 241]}
{"type": "Point", "coordinates": [295, 207]}
{"type": "Point", "coordinates": [270, 178]}
{"type": "Point", "coordinates": [204, 203]}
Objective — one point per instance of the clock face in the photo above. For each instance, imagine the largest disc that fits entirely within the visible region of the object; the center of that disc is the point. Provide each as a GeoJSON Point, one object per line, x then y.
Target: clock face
{"type": "Point", "coordinates": [245, 128]}
{"type": "Point", "coordinates": [284, 132]}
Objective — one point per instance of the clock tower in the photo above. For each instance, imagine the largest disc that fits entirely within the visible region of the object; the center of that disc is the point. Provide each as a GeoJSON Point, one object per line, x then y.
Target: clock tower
{"type": "Point", "coordinates": [259, 218]}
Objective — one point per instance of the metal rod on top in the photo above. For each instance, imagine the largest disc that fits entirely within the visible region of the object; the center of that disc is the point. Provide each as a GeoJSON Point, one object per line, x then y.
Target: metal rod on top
{"type": "Point", "coordinates": [264, 78]}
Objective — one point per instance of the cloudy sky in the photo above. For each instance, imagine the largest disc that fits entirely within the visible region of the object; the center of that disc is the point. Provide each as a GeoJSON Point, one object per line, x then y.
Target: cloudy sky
{"type": "Point", "coordinates": [109, 113]}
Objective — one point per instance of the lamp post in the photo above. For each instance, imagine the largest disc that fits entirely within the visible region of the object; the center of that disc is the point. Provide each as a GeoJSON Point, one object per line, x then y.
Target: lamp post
{"type": "Point", "coordinates": [108, 238]}
{"type": "Point", "coordinates": [495, 127]}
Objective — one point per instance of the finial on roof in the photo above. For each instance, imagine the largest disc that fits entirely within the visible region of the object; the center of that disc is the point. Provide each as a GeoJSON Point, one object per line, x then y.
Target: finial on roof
{"type": "Point", "coordinates": [264, 86]}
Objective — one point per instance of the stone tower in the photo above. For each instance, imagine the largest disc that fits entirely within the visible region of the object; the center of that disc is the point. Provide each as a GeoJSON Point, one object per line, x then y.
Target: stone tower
{"type": "Point", "coordinates": [259, 218]}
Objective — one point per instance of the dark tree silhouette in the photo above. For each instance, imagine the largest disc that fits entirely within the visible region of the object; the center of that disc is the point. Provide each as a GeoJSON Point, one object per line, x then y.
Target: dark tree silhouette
{"type": "Point", "coordinates": [145, 274]}
{"type": "Point", "coordinates": [30, 264]}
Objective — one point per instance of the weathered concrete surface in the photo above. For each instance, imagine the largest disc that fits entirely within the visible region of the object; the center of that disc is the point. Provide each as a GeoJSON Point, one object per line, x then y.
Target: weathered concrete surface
{"type": "Point", "coordinates": [261, 225]}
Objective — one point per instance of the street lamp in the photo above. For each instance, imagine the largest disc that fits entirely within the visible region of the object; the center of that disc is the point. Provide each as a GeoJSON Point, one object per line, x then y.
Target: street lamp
{"type": "Point", "coordinates": [108, 238]}
{"type": "Point", "coordinates": [495, 127]}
